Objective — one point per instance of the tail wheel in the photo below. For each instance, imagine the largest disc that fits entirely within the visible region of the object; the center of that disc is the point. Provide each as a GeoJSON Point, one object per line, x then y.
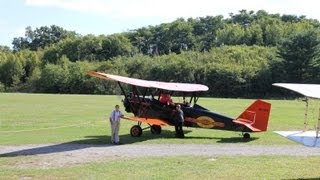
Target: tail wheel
{"type": "Point", "coordinates": [155, 129]}
{"type": "Point", "coordinates": [136, 131]}
{"type": "Point", "coordinates": [246, 136]}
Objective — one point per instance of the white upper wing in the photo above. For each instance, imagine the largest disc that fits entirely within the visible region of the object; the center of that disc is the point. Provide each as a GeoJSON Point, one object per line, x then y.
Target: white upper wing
{"type": "Point", "coordinates": [184, 87]}
{"type": "Point", "coordinates": [309, 90]}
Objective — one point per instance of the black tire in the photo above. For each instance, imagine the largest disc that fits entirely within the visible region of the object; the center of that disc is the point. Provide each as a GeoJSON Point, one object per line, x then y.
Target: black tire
{"type": "Point", "coordinates": [246, 136]}
{"type": "Point", "coordinates": [136, 131]}
{"type": "Point", "coordinates": [155, 129]}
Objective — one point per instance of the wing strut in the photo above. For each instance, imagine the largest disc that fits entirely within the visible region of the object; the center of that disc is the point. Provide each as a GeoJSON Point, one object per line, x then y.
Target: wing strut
{"type": "Point", "coordinates": [318, 128]}
{"type": "Point", "coordinates": [306, 114]}
{"type": "Point", "coordinates": [124, 93]}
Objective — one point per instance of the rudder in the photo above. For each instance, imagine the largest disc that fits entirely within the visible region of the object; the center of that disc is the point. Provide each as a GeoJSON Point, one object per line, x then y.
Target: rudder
{"type": "Point", "coordinates": [256, 116]}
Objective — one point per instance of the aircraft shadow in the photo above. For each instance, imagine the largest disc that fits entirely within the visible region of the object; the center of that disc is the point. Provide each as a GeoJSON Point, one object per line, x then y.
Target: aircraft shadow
{"type": "Point", "coordinates": [104, 141]}
{"type": "Point", "coordinates": [315, 178]}
{"type": "Point", "coordinates": [226, 139]}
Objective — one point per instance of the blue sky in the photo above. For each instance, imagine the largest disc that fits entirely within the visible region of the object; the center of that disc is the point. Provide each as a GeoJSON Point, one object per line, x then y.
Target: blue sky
{"type": "Point", "coordinates": [115, 16]}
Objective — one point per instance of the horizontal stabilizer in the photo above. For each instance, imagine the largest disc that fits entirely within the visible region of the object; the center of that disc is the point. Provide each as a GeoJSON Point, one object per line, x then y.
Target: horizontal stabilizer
{"type": "Point", "coordinates": [248, 125]}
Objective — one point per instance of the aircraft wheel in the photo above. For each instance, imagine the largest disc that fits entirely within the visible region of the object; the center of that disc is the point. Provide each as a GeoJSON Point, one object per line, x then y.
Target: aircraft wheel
{"type": "Point", "coordinates": [155, 129]}
{"type": "Point", "coordinates": [246, 136]}
{"type": "Point", "coordinates": [136, 131]}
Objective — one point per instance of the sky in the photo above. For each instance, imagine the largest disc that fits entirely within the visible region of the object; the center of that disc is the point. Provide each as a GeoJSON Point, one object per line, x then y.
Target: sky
{"type": "Point", "coordinates": [116, 16]}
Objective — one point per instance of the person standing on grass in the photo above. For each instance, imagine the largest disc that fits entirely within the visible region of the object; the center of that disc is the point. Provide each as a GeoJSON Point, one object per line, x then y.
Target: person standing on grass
{"type": "Point", "coordinates": [115, 116]}
{"type": "Point", "coordinates": [179, 118]}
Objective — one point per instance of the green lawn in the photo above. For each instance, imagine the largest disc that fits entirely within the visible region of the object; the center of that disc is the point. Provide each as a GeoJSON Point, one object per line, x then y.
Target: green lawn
{"type": "Point", "coordinates": [47, 118]}
{"type": "Point", "coordinates": [180, 167]}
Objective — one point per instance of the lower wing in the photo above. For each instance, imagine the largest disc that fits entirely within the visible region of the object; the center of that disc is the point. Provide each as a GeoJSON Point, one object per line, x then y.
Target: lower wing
{"type": "Point", "coordinates": [148, 121]}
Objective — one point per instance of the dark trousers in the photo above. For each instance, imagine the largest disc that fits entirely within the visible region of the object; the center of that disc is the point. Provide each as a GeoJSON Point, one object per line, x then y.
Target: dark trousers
{"type": "Point", "coordinates": [179, 130]}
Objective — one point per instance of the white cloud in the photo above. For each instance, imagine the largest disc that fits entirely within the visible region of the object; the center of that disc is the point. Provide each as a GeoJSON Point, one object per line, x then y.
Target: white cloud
{"type": "Point", "coordinates": [145, 8]}
{"type": "Point", "coordinates": [171, 9]}
{"type": "Point", "coordinates": [95, 6]}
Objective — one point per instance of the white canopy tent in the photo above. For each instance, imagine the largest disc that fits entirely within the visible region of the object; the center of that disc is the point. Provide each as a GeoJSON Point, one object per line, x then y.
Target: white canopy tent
{"type": "Point", "coordinates": [309, 91]}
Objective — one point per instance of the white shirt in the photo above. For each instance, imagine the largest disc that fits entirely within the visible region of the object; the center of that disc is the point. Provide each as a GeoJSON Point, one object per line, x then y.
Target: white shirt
{"type": "Point", "coordinates": [115, 115]}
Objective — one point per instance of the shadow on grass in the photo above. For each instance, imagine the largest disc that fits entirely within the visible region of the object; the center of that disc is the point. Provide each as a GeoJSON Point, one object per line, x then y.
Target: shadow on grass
{"type": "Point", "coordinates": [315, 178]}
{"type": "Point", "coordinates": [87, 142]}
{"type": "Point", "coordinates": [226, 139]}
{"type": "Point", "coordinates": [104, 141]}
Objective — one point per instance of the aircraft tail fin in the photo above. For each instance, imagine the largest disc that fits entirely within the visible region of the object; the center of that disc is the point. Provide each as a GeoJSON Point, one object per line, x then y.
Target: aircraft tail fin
{"type": "Point", "coordinates": [256, 116]}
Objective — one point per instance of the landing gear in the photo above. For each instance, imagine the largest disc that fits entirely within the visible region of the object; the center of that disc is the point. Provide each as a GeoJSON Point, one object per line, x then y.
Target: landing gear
{"type": "Point", "coordinates": [246, 136]}
{"type": "Point", "coordinates": [136, 131]}
{"type": "Point", "coordinates": [155, 129]}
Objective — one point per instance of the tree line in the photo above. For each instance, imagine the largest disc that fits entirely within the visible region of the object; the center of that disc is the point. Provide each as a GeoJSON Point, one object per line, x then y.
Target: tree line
{"type": "Point", "coordinates": [238, 56]}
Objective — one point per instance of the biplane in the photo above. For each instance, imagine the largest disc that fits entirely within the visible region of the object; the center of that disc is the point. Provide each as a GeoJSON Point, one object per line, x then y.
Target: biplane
{"type": "Point", "coordinates": [150, 103]}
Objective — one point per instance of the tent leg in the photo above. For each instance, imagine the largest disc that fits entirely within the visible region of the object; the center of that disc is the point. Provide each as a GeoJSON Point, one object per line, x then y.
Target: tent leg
{"type": "Point", "coordinates": [306, 115]}
{"type": "Point", "coordinates": [318, 127]}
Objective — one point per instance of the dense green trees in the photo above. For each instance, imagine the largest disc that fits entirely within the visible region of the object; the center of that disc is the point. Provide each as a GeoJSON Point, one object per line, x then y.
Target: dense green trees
{"type": "Point", "coordinates": [300, 54]}
{"type": "Point", "coordinates": [237, 56]}
{"type": "Point", "coordinates": [41, 37]}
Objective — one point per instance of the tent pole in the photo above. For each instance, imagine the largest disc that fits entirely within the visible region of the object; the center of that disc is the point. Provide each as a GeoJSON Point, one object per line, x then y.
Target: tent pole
{"type": "Point", "coordinates": [318, 127]}
{"type": "Point", "coordinates": [306, 115]}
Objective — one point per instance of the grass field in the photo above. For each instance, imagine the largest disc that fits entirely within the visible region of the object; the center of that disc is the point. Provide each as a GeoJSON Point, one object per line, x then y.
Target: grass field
{"type": "Point", "coordinates": [46, 118]}
{"type": "Point", "coordinates": [181, 167]}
